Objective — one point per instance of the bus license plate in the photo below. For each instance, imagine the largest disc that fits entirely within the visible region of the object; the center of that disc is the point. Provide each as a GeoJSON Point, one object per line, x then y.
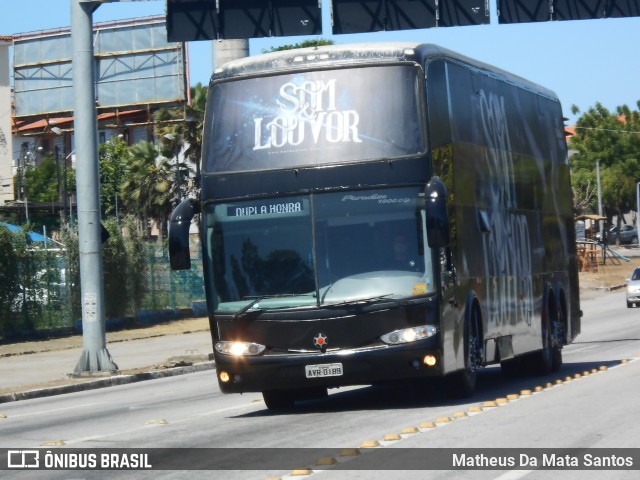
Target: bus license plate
{"type": "Point", "coordinates": [326, 370]}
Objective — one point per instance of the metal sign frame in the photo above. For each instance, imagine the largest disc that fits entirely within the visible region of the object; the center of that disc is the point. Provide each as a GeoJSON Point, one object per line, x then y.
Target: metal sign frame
{"type": "Point", "coordinates": [528, 11]}
{"type": "Point", "coordinates": [189, 20]}
{"type": "Point", "coordinates": [361, 16]}
{"type": "Point", "coordinates": [134, 65]}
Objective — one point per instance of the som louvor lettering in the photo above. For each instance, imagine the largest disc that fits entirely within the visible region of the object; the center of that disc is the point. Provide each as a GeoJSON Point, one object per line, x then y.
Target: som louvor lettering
{"type": "Point", "coordinates": [307, 111]}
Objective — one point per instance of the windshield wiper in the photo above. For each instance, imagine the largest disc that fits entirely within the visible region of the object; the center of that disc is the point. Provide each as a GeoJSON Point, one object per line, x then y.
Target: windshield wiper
{"type": "Point", "coordinates": [259, 298]}
{"type": "Point", "coordinates": [247, 307]}
{"type": "Point", "coordinates": [364, 301]}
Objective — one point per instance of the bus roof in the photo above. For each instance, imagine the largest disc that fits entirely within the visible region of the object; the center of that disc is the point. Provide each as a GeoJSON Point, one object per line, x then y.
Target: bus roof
{"type": "Point", "coordinates": [294, 58]}
{"type": "Point", "coordinates": [362, 53]}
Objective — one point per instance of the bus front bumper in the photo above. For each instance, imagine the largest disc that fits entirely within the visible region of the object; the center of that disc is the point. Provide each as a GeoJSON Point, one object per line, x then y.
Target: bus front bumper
{"type": "Point", "coordinates": [299, 371]}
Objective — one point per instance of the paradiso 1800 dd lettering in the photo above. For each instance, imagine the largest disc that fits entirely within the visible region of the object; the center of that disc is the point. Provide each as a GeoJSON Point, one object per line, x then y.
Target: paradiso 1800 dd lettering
{"type": "Point", "coordinates": [308, 109]}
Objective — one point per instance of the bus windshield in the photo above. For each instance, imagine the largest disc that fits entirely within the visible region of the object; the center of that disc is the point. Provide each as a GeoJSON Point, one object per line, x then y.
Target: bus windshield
{"type": "Point", "coordinates": [314, 118]}
{"type": "Point", "coordinates": [318, 250]}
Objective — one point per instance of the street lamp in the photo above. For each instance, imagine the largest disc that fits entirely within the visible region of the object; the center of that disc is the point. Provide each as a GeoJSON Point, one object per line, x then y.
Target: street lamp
{"type": "Point", "coordinates": [66, 192]}
{"type": "Point", "coordinates": [23, 186]}
{"type": "Point", "coordinates": [58, 131]}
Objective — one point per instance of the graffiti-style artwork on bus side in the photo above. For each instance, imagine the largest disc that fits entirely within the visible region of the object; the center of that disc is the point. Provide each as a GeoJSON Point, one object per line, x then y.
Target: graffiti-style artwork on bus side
{"type": "Point", "coordinates": [506, 247]}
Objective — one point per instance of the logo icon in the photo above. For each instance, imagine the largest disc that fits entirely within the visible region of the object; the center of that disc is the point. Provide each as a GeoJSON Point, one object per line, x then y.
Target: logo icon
{"type": "Point", "coordinates": [320, 340]}
{"type": "Point", "coordinates": [23, 459]}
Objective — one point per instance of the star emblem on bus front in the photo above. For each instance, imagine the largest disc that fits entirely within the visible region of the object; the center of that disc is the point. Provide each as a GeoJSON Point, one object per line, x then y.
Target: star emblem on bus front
{"type": "Point", "coordinates": [320, 340]}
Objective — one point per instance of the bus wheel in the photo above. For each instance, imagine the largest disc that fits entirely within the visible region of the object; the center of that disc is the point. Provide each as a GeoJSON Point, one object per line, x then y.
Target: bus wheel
{"type": "Point", "coordinates": [462, 384]}
{"type": "Point", "coordinates": [549, 359]}
{"type": "Point", "coordinates": [557, 340]}
{"type": "Point", "coordinates": [278, 399]}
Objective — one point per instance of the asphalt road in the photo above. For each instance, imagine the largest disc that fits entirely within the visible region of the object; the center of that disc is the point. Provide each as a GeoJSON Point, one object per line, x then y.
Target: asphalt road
{"type": "Point", "coordinates": [598, 410]}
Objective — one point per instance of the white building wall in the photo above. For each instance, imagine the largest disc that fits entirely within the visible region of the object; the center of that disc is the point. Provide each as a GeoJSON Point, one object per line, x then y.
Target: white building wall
{"type": "Point", "coordinates": [6, 144]}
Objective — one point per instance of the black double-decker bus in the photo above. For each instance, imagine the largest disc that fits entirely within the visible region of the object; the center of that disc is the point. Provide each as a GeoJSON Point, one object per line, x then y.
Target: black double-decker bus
{"type": "Point", "coordinates": [380, 212]}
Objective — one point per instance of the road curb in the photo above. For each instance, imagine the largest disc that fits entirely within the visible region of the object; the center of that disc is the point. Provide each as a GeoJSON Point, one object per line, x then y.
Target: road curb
{"type": "Point", "coordinates": [105, 382]}
{"type": "Point", "coordinates": [612, 288]}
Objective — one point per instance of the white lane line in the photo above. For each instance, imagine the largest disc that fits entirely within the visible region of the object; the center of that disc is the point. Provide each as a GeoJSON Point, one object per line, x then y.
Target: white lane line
{"type": "Point", "coordinates": [54, 410]}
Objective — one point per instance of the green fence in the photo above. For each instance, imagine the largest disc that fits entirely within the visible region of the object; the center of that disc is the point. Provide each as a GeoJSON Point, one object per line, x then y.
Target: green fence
{"type": "Point", "coordinates": [45, 295]}
{"type": "Point", "coordinates": [41, 300]}
{"type": "Point", "coordinates": [169, 289]}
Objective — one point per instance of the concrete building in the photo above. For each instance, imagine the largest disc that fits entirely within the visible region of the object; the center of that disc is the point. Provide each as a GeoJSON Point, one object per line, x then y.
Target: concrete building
{"type": "Point", "coordinates": [6, 144]}
{"type": "Point", "coordinates": [138, 71]}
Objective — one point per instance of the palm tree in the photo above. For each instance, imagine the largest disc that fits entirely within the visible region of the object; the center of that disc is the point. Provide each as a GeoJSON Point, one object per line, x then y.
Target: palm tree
{"type": "Point", "coordinates": [179, 127]}
{"type": "Point", "coordinates": [146, 191]}
{"type": "Point", "coordinates": [194, 131]}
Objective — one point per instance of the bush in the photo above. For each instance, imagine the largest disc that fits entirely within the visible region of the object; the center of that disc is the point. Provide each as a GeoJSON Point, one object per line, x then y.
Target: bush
{"type": "Point", "coordinates": [40, 289]}
{"type": "Point", "coordinates": [115, 270]}
{"type": "Point", "coordinates": [69, 238]}
{"type": "Point", "coordinates": [9, 279]}
{"type": "Point", "coordinates": [136, 264]}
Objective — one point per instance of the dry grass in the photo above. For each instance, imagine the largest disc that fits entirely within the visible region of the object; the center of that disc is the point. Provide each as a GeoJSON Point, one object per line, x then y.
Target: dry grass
{"type": "Point", "coordinates": [612, 275]}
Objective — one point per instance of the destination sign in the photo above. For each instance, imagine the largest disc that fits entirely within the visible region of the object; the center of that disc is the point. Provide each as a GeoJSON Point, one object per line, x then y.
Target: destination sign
{"type": "Point", "coordinates": [262, 208]}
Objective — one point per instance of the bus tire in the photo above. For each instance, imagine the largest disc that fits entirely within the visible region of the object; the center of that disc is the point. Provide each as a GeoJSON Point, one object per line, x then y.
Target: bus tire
{"type": "Point", "coordinates": [462, 384]}
{"type": "Point", "coordinates": [549, 358]}
{"type": "Point", "coordinates": [558, 334]}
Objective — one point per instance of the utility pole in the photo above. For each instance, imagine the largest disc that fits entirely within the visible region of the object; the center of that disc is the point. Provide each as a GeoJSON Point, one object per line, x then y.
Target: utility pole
{"type": "Point", "coordinates": [95, 356]}
{"type": "Point", "coordinates": [637, 203]}
{"type": "Point", "coordinates": [599, 188]}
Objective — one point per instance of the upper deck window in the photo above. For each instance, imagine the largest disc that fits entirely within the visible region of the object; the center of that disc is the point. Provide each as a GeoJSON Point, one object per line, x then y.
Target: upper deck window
{"type": "Point", "coordinates": [314, 118]}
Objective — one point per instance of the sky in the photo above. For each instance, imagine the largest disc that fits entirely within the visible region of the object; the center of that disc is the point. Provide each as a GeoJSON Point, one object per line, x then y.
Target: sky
{"type": "Point", "coordinates": [584, 61]}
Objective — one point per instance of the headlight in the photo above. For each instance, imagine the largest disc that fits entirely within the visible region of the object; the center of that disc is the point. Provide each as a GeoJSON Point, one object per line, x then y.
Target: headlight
{"type": "Point", "coordinates": [239, 349]}
{"type": "Point", "coordinates": [408, 335]}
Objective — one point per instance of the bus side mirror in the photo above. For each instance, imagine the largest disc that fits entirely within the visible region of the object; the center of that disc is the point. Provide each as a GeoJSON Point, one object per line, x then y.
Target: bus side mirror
{"type": "Point", "coordinates": [437, 216]}
{"type": "Point", "coordinates": [179, 225]}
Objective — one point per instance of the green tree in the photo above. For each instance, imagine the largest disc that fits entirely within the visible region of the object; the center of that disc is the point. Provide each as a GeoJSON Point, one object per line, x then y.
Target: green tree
{"type": "Point", "coordinates": [113, 163]}
{"type": "Point", "coordinates": [612, 140]}
{"type": "Point", "coordinates": [69, 238]}
{"type": "Point", "coordinates": [193, 131]}
{"type": "Point", "coordinates": [29, 279]}
{"type": "Point", "coordinates": [124, 268]}
{"type": "Point", "coordinates": [136, 264]}
{"type": "Point", "coordinates": [45, 183]}
{"type": "Point", "coordinates": [9, 279]}
{"type": "Point", "coordinates": [179, 129]}
{"type": "Point", "coordinates": [41, 181]}
{"type": "Point", "coordinates": [146, 189]}
{"type": "Point", "coordinates": [304, 44]}
{"type": "Point", "coordinates": [115, 272]}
